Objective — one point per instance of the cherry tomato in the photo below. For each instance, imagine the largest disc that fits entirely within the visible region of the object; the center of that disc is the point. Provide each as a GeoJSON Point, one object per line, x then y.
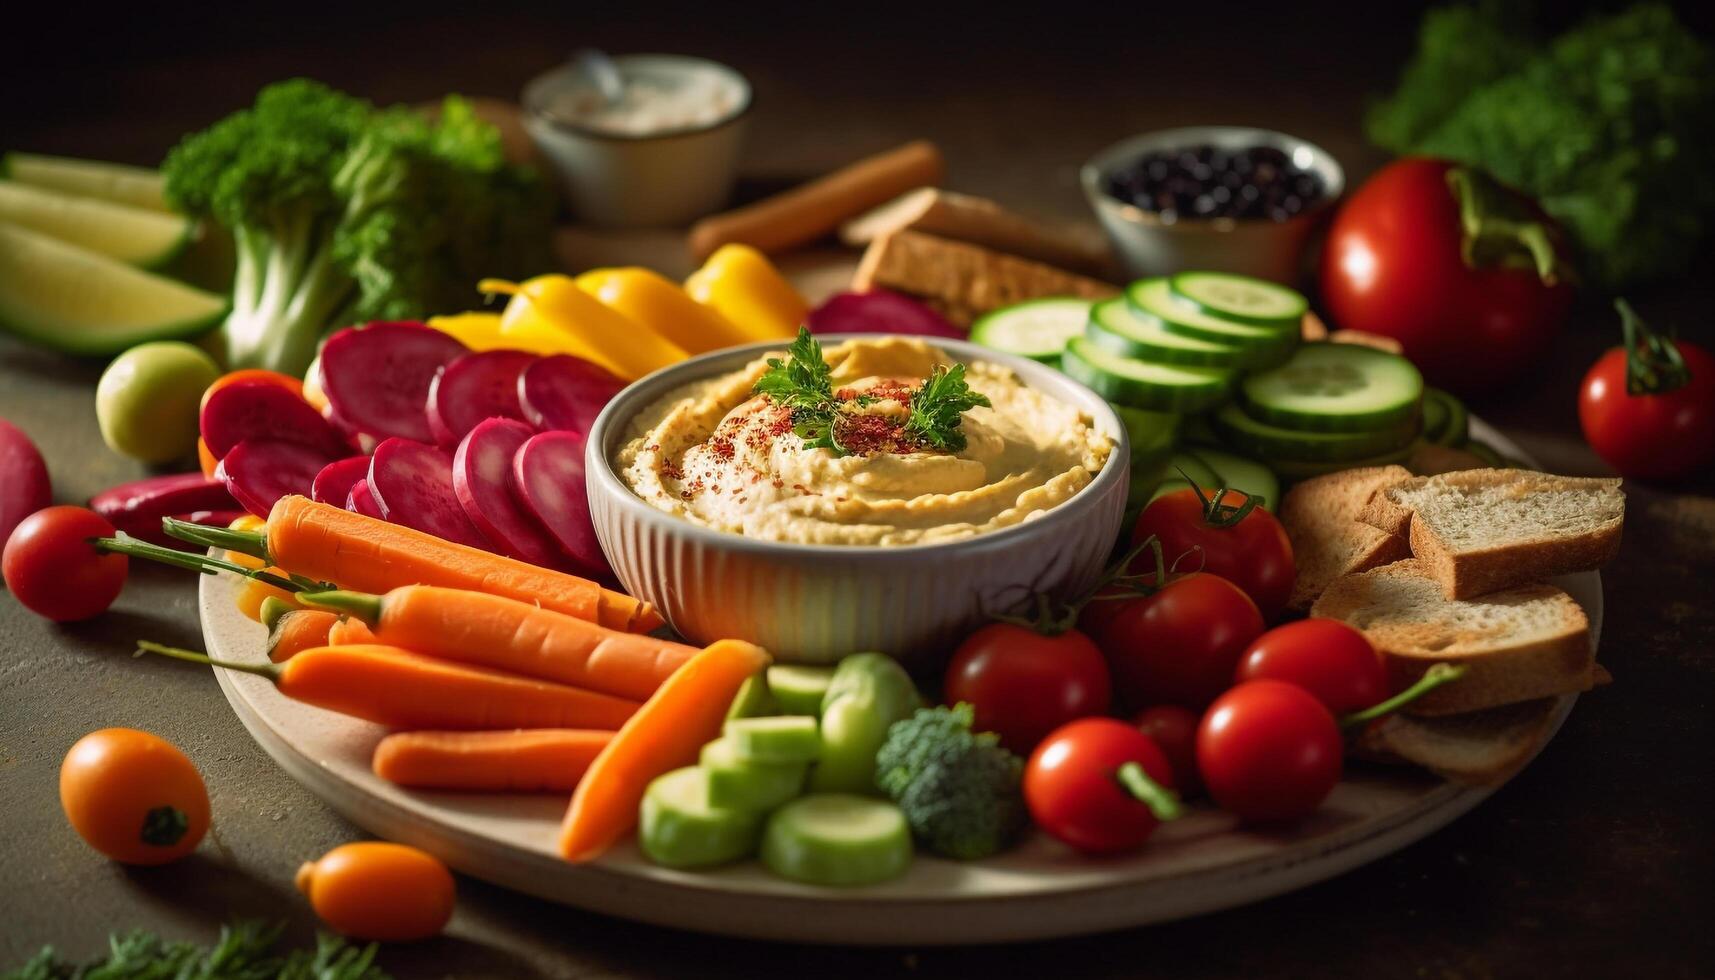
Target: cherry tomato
{"type": "Point", "coordinates": [1078, 782]}
{"type": "Point", "coordinates": [379, 891]}
{"type": "Point", "coordinates": [1253, 554]}
{"type": "Point", "coordinates": [1023, 685]}
{"type": "Point", "coordinates": [1181, 644]}
{"type": "Point", "coordinates": [51, 568]}
{"type": "Point", "coordinates": [1654, 435]}
{"type": "Point", "coordinates": [1269, 751]}
{"type": "Point", "coordinates": [1331, 660]}
{"type": "Point", "coordinates": [133, 796]}
{"type": "Point", "coordinates": [1174, 730]}
{"type": "Point", "coordinates": [1394, 265]}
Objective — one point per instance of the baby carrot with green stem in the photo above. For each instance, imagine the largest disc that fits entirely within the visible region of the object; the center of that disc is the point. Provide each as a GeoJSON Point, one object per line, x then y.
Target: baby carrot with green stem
{"type": "Point", "coordinates": [400, 689]}
{"type": "Point", "coordinates": [539, 760]}
{"type": "Point", "coordinates": [297, 630]}
{"type": "Point", "coordinates": [506, 634]}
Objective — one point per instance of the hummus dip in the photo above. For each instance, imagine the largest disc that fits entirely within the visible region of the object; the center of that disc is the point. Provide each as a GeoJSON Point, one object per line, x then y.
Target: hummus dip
{"type": "Point", "coordinates": [716, 454]}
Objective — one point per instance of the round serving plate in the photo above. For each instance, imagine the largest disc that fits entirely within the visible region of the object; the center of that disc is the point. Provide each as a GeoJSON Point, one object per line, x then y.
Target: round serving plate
{"type": "Point", "coordinates": [1039, 890]}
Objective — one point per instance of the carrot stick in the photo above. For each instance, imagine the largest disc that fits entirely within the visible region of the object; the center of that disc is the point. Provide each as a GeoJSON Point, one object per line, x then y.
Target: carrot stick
{"type": "Point", "coordinates": [505, 634]}
{"type": "Point", "coordinates": [361, 553]}
{"type": "Point", "coordinates": [299, 630]}
{"type": "Point", "coordinates": [665, 734]}
{"type": "Point", "coordinates": [400, 689]}
{"type": "Point", "coordinates": [542, 760]}
{"type": "Point", "coordinates": [349, 630]}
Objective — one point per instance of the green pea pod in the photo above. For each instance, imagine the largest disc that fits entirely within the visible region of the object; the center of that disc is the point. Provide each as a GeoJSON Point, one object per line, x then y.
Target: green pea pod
{"type": "Point", "coordinates": [868, 693]}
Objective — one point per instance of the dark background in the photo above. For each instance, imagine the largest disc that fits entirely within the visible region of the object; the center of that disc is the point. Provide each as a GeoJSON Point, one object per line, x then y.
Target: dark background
{"type": "Point", "coordinates": [1597, 860]}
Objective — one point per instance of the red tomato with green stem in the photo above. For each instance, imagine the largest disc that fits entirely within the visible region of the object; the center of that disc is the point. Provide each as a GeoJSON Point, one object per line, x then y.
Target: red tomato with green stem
{"type": "Point", "coordinates": [1174, 730]}
{"type": "Point", "coordinates": [1230, 536]}
{"type": "Point", "coordinates": [1180, 643]}
{"type": "Point", "coordinates": [1648, 407]}
{"type": "Point", "coordinates": [1269, 751]}
{"type": "Point", "coordinates": [1024, 681]}
{"type": "Point", "coordinates": [1331, 660]}
{"type": "Point", "coordinates": [51, 567]}
{"type": "Point", "coordinates": [1099, 785]}
{"type": "Point", "coordinates": [1468, 275]}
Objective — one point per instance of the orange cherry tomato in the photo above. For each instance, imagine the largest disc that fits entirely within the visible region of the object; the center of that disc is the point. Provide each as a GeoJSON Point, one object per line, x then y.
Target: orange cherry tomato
{"type": "Point", "coordinates": [379, 891]}
{"type": "Point", "coordinates": [133, 796]}
{"type": "Point", "coordinates": [285, 381]}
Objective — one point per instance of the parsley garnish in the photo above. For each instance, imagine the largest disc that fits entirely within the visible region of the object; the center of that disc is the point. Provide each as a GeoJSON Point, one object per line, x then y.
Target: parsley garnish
{"type": "Point", "coordinates": [804, 384]}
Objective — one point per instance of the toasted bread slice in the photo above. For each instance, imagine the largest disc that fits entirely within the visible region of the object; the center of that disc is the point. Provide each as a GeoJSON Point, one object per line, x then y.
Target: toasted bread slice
{"type": "Point", "coordinates": [1480, 531]}
{"type": "Point", "coordinates": [1477, 748]}
{"type": "Point", "coordinates": [961, 280]}
{"type": "Point", "coordinates": [1524, 643]}
{"type": "Point", "coordinates": [1321, 519]}
{"type": "Point", "coordinates": [979, 221]}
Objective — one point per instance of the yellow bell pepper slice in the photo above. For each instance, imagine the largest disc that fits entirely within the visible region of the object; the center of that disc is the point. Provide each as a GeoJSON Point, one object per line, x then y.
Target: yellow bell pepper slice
{"type": "Point", "coordinates": [658, 303]}
{"type": "Point", "coordinates": [552, 309]}
{"type": "Point", "coordinates": [739, 283]}
{"type": "Point", "coordinates": [478, 331]}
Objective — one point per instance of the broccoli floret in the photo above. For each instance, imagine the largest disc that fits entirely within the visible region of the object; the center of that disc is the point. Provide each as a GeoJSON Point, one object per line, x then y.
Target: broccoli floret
{"type": "Point", "coordinates": [960, 791]}
{"type": "Point", "coordinates": [342, 212]}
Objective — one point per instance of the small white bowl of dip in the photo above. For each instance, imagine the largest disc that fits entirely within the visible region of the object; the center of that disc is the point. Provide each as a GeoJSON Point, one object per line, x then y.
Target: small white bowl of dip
{"type": "Point", "coordinates": [665, 154]}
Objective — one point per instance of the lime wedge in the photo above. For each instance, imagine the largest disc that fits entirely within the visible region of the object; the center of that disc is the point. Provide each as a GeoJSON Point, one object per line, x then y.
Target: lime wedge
{"type": "Point", "coordinates": [82, 302]}
{"type": "Point", "coordinates": [135, 186]}
{"type": "Point", "coordinates": [135, 236]}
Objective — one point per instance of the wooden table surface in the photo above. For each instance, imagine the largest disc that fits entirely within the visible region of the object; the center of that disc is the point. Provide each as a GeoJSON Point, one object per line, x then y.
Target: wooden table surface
{"type": "Point", "coordinates": [1597, 860]}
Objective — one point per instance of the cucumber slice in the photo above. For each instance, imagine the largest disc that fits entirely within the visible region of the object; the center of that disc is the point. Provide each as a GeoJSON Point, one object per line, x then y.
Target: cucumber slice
{"type": "Point", "coordinates": [739, 785]}
{"type": "Point", "coordinates": [1155, 297]}
{"type": "Point", "coordinates": [753, 700]}
{"type": "Point", "coordinates": [1335, 388]}
{"type": "Point", "coordinates": [678, 827]}
{"type": "Point", "coordinates": [77, 301]}
{"type": "Point", "coordinates": [1445, 421]}
{"type": "Point", "coordinates": [779, 738]}
{"type": "Point", "coordinates": [837, 839]}
{"type": "Point", "coordinates": [1239, 473]}
{"type": "Point", "coordinates": [1116, 327]}
{"type": "Point", "coordinates": [1241, 298]}
{"type": "Point", "coordinates": [137, 187]}
{"type": "Point", "coordinates": [1273, 443]}
{"type": "Point", "coordinates": [1141, 384]}
{"type": "Point", "coordinates": [1037, 329]}
{"type": "Point", "coordinates": [1297, 469]}
{"type": "Point", "coordinates": [798, 689]}
{"type": "Point", "coordinates": [135, 236]}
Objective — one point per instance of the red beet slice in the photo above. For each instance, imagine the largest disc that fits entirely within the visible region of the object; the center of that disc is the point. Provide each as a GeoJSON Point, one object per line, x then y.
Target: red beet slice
{"type": "Point", "coordinates": [137, 507]}
{"type": "Point", "coordinates": [412, 483]}
{"type": "Point", "coordinates": [879, 311]}
{"type": "Point", "coordinates": [548, 477]}
{"type": "Point", "coordinates": [333, 484]}
{"type": "Point", "coordinates": [265, 411]}
{"type": "Point", "coordinates": [565, 392]}
{"type": "Point", "coordinates": [258, 472]}
{"type": "Point", "coordinates": [377, 377]}
{"type": "Point", "coordinates": [472, 388]}
{"type": "Point", "coordinates": [361, 501]}
{"type": "Point", "coordinates": [24, 485]}
{"type": "Point", "coordinates": [482, 480]}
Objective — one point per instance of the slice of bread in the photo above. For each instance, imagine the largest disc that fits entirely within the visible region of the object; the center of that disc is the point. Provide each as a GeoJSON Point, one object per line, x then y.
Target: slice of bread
{"type": "Point", "coordinates": [1480, 531]}
{"type": "Point", "coordinates": [963, 281]}
{"type": "Point", "coordinates": [1321, 519]}
{"type": "Point", "coordinates": [1478, 748]}
{"type": "Point", "coordinates": [1524, 643]}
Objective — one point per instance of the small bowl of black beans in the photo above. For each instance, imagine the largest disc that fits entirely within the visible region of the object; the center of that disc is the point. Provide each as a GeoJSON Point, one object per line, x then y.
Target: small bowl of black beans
{"type": "Point", "coordinates": [1222, 198]}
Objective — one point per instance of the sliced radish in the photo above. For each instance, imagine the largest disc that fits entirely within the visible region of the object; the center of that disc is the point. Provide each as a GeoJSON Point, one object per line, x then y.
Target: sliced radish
{"type": "Point", "coordinates": [472, 388]}
{"type": "Point", "coordinates": [412, 483]}
{"type": "Point", "coordinates": [376, 378]}
{"type": "Point", "coordinates": [263, 410]}
{"type": "Point", "coordinates": [361, 501]}
{"type": "Point", "coordinates": [482, 479]}
{"type": "Point", "coordinates": [24, 485]}
{"type": "Point", "coordinates": [879, 311]}
{"type": "Point", "coordinates": [565, 392]}
{"type": "Point", "coordinates": [137, 507]}
{"type": "Point", "coordinates": [333, 484]}
{"type": "Point", "coordinates": [258, 472]}
{"type": "Point", "coordinates": [548, 477]}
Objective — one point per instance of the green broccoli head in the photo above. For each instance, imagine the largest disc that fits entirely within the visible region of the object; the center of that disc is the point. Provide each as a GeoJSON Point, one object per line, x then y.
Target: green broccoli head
{"type": "Point", "coordinates": [960, 791]}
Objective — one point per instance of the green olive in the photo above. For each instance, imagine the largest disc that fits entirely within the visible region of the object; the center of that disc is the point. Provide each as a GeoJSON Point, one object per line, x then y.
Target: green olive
{"type": "Point", "coordinates": [148, 398]}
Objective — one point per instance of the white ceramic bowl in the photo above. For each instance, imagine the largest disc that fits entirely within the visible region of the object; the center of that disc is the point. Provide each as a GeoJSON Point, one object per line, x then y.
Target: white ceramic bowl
{"type": "Point", "coordinates": [817, 603]}
{"type": "Point", "coordinates": [1257, 247]}
{"type": "Point", "coordinates": [623, 180]}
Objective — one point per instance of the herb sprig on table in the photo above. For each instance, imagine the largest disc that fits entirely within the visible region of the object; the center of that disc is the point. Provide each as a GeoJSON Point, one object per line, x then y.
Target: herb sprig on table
{"type": "Point", "coordinates": [803, 384]}
{"type": "Point", "coordinates": [244, 951]}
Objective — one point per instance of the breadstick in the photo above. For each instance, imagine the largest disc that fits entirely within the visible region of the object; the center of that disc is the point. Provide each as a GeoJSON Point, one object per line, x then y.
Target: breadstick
{"type": "Point", "coordinates": [810, 211]}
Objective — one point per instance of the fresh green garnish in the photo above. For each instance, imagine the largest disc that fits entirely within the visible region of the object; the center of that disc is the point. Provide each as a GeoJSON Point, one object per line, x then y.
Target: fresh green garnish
{"type": "Point", "coordinates": [244, 951]}
{"type": "Point", "coordinates": [803, 384]}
